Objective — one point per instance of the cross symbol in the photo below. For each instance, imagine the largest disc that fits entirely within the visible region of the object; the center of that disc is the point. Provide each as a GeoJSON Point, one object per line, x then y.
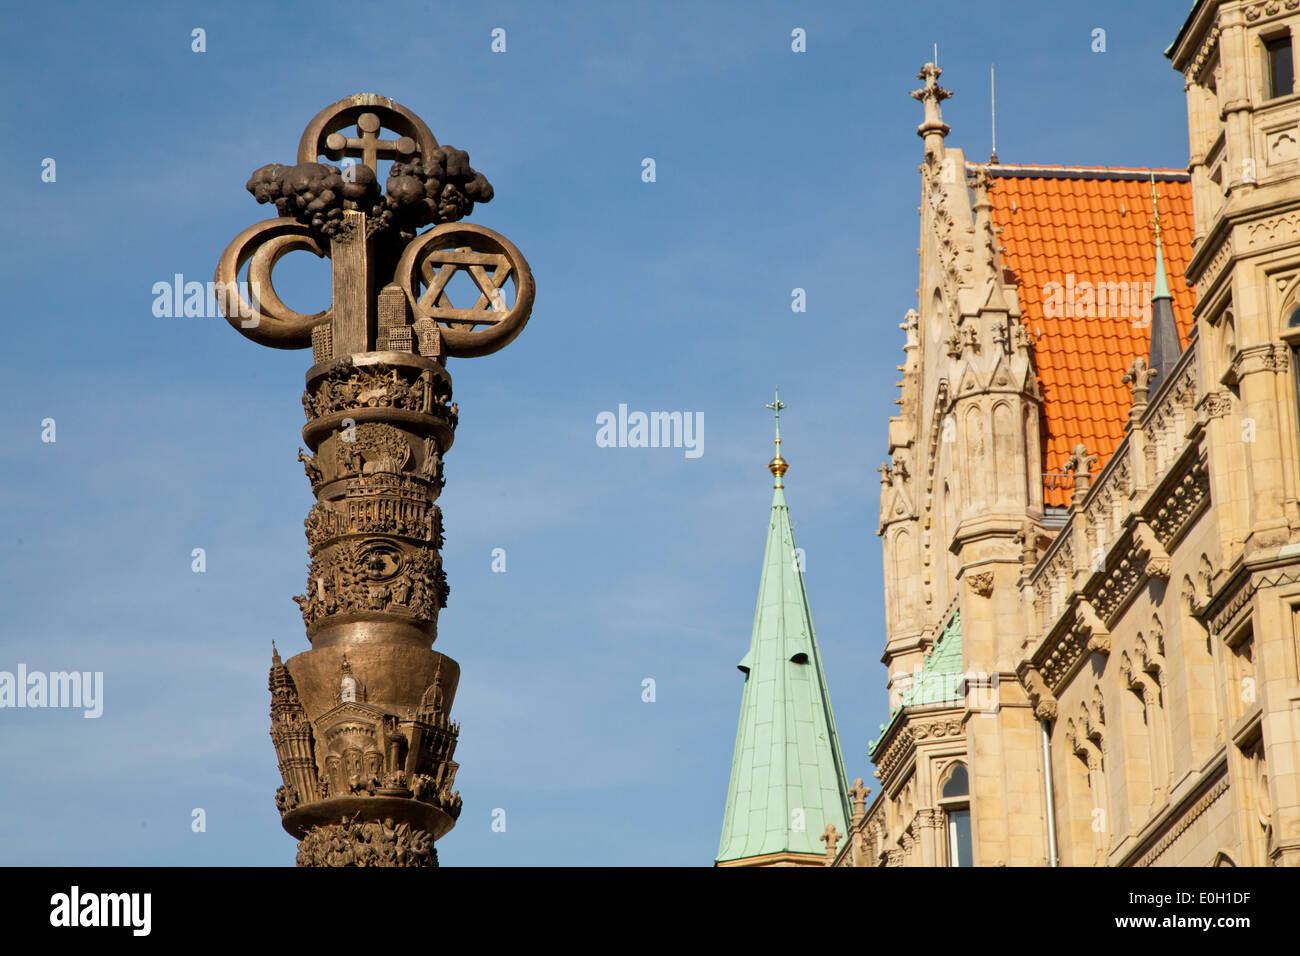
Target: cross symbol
{"type": "Point", "coordinates": [1156, 221]}
{"type": "Point", "coordinates": [777, 405]}
{"type": "Point", "coordinates": [368, 145]}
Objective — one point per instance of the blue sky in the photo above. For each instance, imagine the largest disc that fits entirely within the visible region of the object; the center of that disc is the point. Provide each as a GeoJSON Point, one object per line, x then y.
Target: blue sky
{"type": "Point", "coordinates": [774, 171]}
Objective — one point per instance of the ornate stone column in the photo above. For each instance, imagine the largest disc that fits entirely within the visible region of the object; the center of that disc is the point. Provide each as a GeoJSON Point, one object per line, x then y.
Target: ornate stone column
{"type": "Point", "coordinates": [361, 721]}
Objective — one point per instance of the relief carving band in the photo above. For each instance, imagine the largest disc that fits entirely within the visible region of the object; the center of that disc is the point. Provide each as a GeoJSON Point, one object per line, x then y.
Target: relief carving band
{"type": "Point", "coordinates": [361, 722]}
{"type": "Point", "coordinates": [350, 843]}
{"type": "Point", "coordinates": [345, 388]}
{"type": "Point", "coordinates": [375, 575]}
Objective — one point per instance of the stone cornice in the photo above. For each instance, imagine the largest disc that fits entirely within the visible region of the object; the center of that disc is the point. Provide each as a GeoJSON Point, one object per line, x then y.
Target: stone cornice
{"type": "Point", "coordinates": [1137, 556]}
{"type": "Point", "coordinates": [1197, 41]}
{"type": "Point", "coordinates": [1272, 219]}
{"type": "Point", "coordinates": [1239, 230]}
{"type": "Point", "coordinates": [1179, 500]}
{"type": "Point", "coordinates": [905, 732]}
{"type": "Point", "coordinates": [1265, 10]}
{"type": "Point", "coordinates": [1223, 612]}
{"type": "Point", "coordinates": [990, 525]}
{"type": "Point", "coordinates": [1060, 654]}
{"type": "Point", "coordinates": [784, 858]}
{"type": "Point", "coordinates": [897, 743]}
{"type": "Point", "coordinates": [1215, 267]}
{"type": "Point", "coordinates": [943, 727]}
{"type": "Point", "coordinates": [1216, 238]}
{"type": "Point", "coordinates": [1163, 832]}
{"type": "Point", "coordinates": [1233, 595]}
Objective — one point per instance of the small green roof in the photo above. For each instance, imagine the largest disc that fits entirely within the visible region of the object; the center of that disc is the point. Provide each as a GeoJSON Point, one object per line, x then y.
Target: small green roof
{"type": "Point", "coordinates": [787, 772]}
{"type": "Point", "coordinates": [939, 681]}
{"type": "Point", "coordinates": [1191, 15]}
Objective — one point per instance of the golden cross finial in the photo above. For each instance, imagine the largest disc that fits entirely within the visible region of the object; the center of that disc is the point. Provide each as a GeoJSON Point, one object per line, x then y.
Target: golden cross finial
{"type": "Point", "coordinates": [1155, 221]}
{"type": "Point", "coordinates": [776, 407]}
{"type": "Point", "coordinates": [777, 466]}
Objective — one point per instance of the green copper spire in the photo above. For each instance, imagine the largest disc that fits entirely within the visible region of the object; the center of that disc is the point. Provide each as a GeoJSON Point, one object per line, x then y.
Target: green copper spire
{"type": "Point", "coordinates": [1162, 280]}
{"type": "Point", "coordinates": [787, 773]}
{"type": "Point", "coordinates": [1166, 346]}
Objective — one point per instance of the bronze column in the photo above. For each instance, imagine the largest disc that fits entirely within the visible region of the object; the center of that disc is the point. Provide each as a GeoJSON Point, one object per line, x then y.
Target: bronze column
{"type": "Point", "coordinates": [361, 721]}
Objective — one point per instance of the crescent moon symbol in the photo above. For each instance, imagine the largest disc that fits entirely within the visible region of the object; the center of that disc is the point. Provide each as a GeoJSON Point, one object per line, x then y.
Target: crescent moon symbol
{"type": "Point", "coordinates": [266, 320]}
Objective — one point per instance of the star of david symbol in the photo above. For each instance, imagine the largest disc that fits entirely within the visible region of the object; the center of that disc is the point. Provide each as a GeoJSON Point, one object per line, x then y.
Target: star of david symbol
{"type": "Point", "coordinates": [432, 259]}
{"type": "Point", "coordinates": [440, 266]}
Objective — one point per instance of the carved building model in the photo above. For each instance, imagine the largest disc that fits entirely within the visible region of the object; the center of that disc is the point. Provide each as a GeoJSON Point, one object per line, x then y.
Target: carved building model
{"type": "Point", "coordinates": [1091, 513]}
{"type": "Point", "coordinates": [361, 721]}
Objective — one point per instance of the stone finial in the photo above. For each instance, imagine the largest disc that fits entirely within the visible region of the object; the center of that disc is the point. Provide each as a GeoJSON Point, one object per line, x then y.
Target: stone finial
{"type": "Point", "coordinates": [858, 793]}
{"type": "Point", "coordinates": [886, 474]}
{"type": "Point", "coordinates": [831, 837]}
{"type": "Point", "coordinates": [911, 324]}
{"type": "Point", "coordinates": [954, 345]}
{"type": "Point", "coordinates": [1080, 464]}
{"type": "Point", "coordinates": [1023, 338]}
{"type": "Point", "coordinates": [1002, 338]}
{"type": "Point", "coordinates": [1139, 379]}
{"type": "Point", "coordinates": [931, 95]}
{"type": "Point", "coordinates": [988, 249]}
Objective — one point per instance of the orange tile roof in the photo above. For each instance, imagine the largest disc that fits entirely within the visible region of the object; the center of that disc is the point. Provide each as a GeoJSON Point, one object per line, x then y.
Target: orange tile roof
{"type": "Point", "coordinates": [1091, 224]}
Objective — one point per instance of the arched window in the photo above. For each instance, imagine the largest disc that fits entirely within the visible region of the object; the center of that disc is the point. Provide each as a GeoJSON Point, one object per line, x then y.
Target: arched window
{"type": "Point", "coordinates": [958, 784]}
{"type": "Point", "coordinates": [954, 800]}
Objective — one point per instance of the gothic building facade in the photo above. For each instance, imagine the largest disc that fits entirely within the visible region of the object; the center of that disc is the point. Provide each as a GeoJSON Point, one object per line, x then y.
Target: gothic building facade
{"type": "Point", "coordinates": [1090, 516]}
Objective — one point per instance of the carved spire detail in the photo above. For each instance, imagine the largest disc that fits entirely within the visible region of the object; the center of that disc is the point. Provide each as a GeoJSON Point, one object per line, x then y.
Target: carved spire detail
{"type": "Point", "coordinates": [931, 94]}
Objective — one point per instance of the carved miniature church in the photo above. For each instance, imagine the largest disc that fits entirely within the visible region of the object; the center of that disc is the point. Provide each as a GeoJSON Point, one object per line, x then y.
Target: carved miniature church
{"type": "Point", "coordinates": [1090, 515]}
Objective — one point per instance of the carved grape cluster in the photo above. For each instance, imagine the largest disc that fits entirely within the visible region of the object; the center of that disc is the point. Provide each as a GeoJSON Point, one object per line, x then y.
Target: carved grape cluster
{"type": "Point", "coordinates": [441, 187]}
{"type": "Point", "coordinates": [314, 193]}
